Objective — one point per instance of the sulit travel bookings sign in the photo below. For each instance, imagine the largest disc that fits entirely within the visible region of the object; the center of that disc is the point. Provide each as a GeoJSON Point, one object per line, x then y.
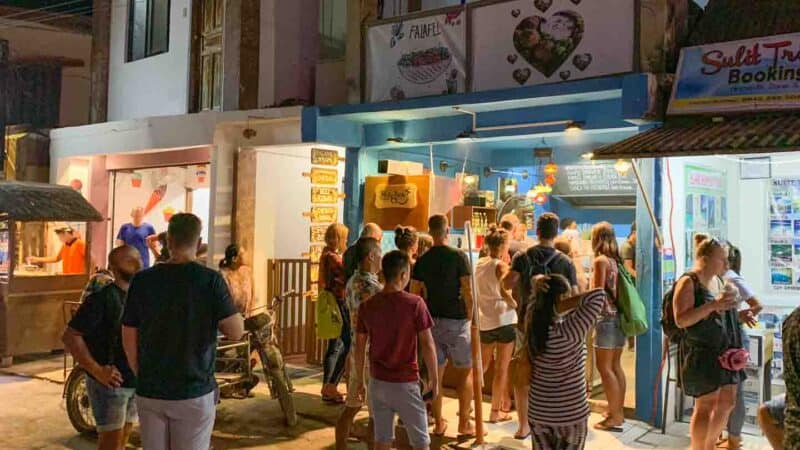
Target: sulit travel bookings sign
{"type": "Point", "coordinates": [760, 74]}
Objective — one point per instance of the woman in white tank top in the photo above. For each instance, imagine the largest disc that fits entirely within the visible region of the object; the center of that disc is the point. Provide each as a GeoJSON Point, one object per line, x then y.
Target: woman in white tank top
{"type": "Point", "coordinates": [498, 318]}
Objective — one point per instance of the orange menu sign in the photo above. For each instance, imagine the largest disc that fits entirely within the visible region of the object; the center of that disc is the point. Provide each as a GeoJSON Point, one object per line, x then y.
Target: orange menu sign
{"type": "Point", "coordinates": [317, 233]}
{"type": "Point", "coordinates": [324, 157]}
{"type": "Point", "coordinates": [323, 214]}
{"type": "Point", "coordinates": [324, 195]}
{"type": "Point", "coordinates": [319, 175]}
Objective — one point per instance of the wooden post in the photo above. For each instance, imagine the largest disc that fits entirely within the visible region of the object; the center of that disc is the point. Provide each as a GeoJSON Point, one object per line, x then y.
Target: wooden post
{"type": "Point", "coordinates": [477, 358]}
{"type": "Point", "coordinates": [101, 36]}
{"type": "Point", "coordinates": [4, 95]}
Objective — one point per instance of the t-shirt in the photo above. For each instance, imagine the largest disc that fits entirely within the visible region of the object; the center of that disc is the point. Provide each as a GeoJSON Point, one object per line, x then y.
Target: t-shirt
{"type": "Point", "coordinates": [350, 262]}
{"type": "Point", "coordinates": [177, 309]}
{"type": "Point", "coordinates": [98, 321]}
{"type": "Point", "coordinates": [538, 255]}
{"type": "Point", "coordinates": [745, 291]}
{"type": "Point", "coordinates": [441, 269]}
{"type": "Point", "coordinates": [393, 343]}
{"type": "Point", "coordinates": [628, 252]}
{"type": "Point", "coordinates": [73, 257]}
{"type": "Point", "coordinates": [137, 237]}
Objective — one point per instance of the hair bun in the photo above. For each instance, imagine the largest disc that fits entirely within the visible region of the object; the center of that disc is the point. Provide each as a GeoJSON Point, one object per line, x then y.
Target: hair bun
{"type": "Point", "coordinates": [492, 228]}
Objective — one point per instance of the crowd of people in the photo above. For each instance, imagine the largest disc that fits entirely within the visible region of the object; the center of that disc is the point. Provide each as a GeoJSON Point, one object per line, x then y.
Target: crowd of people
{"type": "Point", "coordinates": [406, 317]}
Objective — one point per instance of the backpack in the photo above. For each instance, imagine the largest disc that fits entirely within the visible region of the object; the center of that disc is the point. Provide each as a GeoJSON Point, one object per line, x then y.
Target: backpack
{"type": "Point", "coordinates": [668, 324]}
{"type": "Point", "coordinates": [633, 319]}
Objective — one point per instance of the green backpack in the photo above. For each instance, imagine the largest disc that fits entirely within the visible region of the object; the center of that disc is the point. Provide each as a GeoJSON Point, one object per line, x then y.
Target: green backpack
{"type": "Point", "coordinates": [329, 318]}
{"type": "Point", "coordinates": [633, 319]}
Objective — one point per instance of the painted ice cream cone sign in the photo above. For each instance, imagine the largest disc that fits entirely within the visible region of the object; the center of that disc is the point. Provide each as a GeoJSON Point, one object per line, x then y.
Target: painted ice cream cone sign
{"type": "Point", "coordinates": [322, 214]}
{"type": "Point", "coordinates": [325, 157]}
{"type": "Point", "coordinates": [168, 213]}
{"type": "Point", "coordinates": [320, 175]}
{"type": "Point", "coordinates": [155, 197]}
{"type": "Point", "coordinates": [136, 180]}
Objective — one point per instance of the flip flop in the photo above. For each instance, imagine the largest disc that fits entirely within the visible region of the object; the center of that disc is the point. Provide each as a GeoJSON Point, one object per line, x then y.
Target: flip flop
{"type": "Point", "coordinates": [333, 400]}
{"type": "Point", "coordinates": [505, 418]}
{"type": "Point", "coordinates": [444, 430]}
{"type": "Point", "coordinates": [521, 437]}
{"type": "Point", "coordinates": [604, 426]}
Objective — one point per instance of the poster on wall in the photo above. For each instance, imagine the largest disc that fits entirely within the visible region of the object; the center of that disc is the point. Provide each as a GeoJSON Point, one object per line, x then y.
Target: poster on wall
{"type": "Point", "coordinates": [522, 43]}
{"type": "Point", "coordinates": [747, 75]}
{"type": "Point", "coordinates": [783, 235]}
{"type": "Point", "coordinates": [418, 57]}
{"type": "Point", "coordinates": [706, 206]}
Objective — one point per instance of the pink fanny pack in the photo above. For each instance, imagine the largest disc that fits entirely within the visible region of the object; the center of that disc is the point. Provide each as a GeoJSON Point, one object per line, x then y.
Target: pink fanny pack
{"type": "Point", "coordinates": [734, 359]}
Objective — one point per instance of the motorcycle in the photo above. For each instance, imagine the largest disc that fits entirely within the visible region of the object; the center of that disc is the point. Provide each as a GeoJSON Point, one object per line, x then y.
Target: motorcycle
{"type": "Point", "coordinates": [234, 371]}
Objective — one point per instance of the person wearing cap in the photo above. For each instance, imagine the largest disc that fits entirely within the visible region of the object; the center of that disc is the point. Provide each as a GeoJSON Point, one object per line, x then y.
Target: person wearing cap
{"type": "Point", "coordinates": [72, 254]}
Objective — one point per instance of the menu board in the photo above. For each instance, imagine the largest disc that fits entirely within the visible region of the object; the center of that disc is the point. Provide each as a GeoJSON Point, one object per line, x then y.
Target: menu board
{"type": "Point", "coordinates": [783, 238]}
{"type": "Point", "coordinates": [593, 179]}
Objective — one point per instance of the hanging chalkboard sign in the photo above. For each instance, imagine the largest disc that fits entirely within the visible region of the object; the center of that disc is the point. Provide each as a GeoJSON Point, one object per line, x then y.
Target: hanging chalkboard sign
{"type": "Point", "coordinates": [598, 179]}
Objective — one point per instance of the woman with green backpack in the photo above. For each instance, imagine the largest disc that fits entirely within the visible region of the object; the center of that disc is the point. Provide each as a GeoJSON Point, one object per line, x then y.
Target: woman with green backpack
{"type": "Point", "coordinates": [609, 339]}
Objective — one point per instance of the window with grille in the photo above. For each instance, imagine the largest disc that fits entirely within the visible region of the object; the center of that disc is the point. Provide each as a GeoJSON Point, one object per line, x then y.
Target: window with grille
{"type": "Point", "coordinates": [148, 28]}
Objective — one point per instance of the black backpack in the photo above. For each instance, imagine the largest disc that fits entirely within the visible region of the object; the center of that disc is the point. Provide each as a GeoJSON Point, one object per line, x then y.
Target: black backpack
{"type": "Point", "coordinates": [668, 325]}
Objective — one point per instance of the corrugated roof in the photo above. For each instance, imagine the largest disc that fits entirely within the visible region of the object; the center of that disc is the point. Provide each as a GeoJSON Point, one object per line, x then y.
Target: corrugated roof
{"type": "Point", "coordinates": [731, 20]}
{"type": "Point", "coordinates": [45, 202]}
{"type": "Point", "coordinates": [763, 133]}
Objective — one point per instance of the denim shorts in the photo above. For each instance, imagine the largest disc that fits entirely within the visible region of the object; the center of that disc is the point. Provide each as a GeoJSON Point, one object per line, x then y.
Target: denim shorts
{"type": "Point", "coordinates": [112, 408]}
{"type": "Point", "coordinates": [608, 333]}
{"type": "Point", "coordinates": [777, 409]}
{"type": "Point", "coordinates": [405, 400]}
{"type": "Point", "coordinates": [453, 342]}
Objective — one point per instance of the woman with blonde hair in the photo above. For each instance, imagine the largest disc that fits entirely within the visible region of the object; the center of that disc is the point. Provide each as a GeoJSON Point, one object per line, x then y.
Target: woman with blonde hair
{"type": "Point", "coordinates": [332, 279]}
{"type": "Point", "coordinates": [705, 309]}
{"type": "Point", "coordinates": [498, 318]}
{"type": "Point", "coordinates": [609, 340]}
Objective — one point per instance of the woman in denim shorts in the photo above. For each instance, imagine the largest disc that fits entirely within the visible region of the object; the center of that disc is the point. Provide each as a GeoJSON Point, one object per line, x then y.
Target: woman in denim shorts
{"type": "Point", "coordinates": [609, 339]}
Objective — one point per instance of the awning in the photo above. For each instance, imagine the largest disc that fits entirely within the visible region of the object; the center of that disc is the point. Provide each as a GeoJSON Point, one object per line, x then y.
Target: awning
{"type": "Point", "coordinates": [45, 202]}
{"type": "Point", "coordinates": [766, 133]}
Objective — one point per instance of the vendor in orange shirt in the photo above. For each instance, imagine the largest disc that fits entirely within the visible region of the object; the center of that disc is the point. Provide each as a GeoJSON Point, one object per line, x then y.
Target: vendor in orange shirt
{"type": "Point", "coordinates": [72, 254]}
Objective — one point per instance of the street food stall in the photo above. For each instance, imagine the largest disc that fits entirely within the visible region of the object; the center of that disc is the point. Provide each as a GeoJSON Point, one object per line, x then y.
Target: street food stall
{"type": "Point", "coordinates": [33, 216]}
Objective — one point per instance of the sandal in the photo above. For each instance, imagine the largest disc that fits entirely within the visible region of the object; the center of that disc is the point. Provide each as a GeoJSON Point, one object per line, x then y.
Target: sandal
{"type": "Point", "coordinates": [520, 437]}
{"type": "Point", "coordinates": [499, 419]}
{"type": "Point", "coordinates": [338, 400]}
{"type": "Point", "coordinates": [443, 431]}
{"type": "Point", "coordinates": [603, 425]}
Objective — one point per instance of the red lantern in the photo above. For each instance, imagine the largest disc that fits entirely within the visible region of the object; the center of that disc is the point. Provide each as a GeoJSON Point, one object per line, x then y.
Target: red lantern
{"type": "Point", "coordinates": [551, 168]}
{"type": "Point", "coordinates": [550, 179]}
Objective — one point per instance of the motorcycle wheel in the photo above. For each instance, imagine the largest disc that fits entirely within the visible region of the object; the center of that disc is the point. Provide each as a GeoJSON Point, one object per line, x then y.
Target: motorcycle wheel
{"type": "Point", "coordinates": [79, 410]}
{"type": "Point", "coordinates": [280, 389]}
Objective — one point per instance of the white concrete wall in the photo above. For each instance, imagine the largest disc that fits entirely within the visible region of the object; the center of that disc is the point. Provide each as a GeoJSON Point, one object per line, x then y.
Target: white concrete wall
{"type": "Point", "coordinates": [154, 86]}
{"type": "Point", "coordinates": [283, 194]}
{"type": "Point", "coordinates": [29, 40]}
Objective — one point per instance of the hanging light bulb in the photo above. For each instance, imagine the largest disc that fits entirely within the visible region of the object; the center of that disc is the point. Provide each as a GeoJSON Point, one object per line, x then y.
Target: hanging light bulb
{"type": "Point", "coordinates": [550, 168]}
{"type": "Point", "coordinates": [622, 167]}
{"type": "Point", "coordinates": [550, 179]}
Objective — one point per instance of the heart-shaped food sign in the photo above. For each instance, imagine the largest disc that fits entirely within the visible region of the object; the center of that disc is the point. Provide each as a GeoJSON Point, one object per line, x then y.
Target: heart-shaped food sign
{"type": "Point", "coordinates": [547, 43]}
{"type": "Point", "coordinates": [577, 2]}
{"type": "Point", "coordinates": [521, 75]}
{"type": "Point", "coordinates": [511, 59]}
{"type": "Point", "coordinates": [543, 5]}
{"type": "Point", "coordinates": [582, 61]}
{"type": "Point", "coordinates": [515, 13]}
{"type": "Point", "coordinates": [565, 74]}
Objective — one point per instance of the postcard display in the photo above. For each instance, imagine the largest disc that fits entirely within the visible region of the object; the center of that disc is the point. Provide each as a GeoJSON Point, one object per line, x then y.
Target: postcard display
{"type": "Point", "coordinates": [706, 206]}
{"type": "Point", "coordinates": [784, 234]}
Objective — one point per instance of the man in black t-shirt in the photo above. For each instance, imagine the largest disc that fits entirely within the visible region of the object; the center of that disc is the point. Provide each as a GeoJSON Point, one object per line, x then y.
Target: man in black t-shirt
{"type": "Point", "coordinates": [442, 277]}
{"type": "Point", "coordinates": [93, 338]}
{"type": "Point", "coordinates": [169, 329]}
{"type": "Point", "coordinates": [538, 260]}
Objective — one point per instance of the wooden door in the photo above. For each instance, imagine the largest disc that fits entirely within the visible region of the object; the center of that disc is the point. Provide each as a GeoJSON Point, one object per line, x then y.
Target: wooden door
{"type": "Point", "coordinates": [208, 55]}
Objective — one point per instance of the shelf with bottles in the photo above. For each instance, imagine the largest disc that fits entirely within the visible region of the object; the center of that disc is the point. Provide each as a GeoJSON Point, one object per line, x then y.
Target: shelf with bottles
{"type": "Point", "coordinates": [479, 216]}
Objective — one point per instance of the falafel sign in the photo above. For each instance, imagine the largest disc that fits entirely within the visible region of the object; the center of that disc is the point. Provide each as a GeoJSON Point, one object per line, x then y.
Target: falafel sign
{"type": "Point", "coordinates": [418, 57]}
{"type": "Point", "coordinates": [747, 75]}
{"type": "Point", "coordinates": [524, 42]}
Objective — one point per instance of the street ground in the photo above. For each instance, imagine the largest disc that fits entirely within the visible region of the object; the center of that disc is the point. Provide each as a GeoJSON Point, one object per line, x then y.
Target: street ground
{"type": "Point", "coordinates": [32, 416]}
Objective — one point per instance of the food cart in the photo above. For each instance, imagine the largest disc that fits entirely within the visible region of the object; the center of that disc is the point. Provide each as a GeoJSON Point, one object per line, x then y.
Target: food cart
{"type": "Point", "coordinates": [32, 298]}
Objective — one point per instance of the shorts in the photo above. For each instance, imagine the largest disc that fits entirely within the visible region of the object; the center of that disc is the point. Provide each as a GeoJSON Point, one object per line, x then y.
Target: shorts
{"type": "Point", "coordinates": [452, 342]}
{"type": "Point", "coordinates": [112, 408]}
{"type": "Point", "coordinates": [354, 382]}
{"type": "Point", "coordinates": [777, 409]}
{"type": "Point", "coordinates": [566, 437]}
{"type": "Point", "coordinates": [502, 335]}
{"type": "Point", "coordinates": [404, 399]}
{"type": "Point", "coordinates": [608, 333]}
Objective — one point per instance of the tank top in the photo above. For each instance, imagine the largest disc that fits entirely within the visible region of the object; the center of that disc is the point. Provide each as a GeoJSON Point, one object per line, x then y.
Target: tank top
{"type": "Point", "coordinates": [494, 311]}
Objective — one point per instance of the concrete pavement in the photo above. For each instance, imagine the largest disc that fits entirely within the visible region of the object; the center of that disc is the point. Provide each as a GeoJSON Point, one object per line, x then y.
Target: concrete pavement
{"type": "Point", "coordinates": [32, 416]}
